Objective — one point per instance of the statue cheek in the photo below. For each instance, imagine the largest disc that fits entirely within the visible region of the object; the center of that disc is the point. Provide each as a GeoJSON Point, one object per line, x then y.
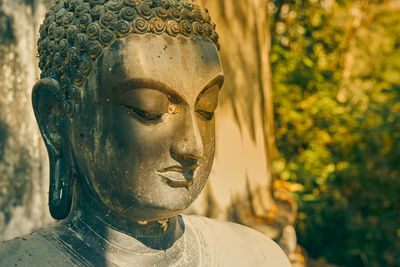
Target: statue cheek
{"type": "Point", "coordinates": [208, 135]}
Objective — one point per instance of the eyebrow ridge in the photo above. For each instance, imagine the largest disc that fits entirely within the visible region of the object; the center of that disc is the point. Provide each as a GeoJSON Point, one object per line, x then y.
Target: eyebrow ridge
{"type": "Point", "coordinates": [150, 83]}
{"type": "Point", "coordinates": [138, 83]}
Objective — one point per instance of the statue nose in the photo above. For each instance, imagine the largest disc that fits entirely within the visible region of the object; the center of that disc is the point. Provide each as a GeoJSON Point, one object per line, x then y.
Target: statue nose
{"type": "Point", "coordinates": [188, 146]}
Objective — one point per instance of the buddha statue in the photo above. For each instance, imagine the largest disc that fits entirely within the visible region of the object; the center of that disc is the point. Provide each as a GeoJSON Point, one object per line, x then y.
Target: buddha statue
{"type": "Point", "coordinates": [125, 105]}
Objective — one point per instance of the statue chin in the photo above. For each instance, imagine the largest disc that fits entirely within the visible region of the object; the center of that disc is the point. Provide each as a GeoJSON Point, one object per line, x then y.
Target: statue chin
{"type": "Point", "coordinates": [128, 121]}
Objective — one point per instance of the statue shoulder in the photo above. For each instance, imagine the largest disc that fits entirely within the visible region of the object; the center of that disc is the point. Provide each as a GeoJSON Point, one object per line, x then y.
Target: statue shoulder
{"type": "Point", "coordinates": [238, 245]}
{"type": "Point", "coordinates": [33, 250]}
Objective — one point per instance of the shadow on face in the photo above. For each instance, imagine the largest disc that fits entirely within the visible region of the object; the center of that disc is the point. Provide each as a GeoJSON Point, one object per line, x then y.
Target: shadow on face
{"type": "Point", "coordinates": [143, 138]}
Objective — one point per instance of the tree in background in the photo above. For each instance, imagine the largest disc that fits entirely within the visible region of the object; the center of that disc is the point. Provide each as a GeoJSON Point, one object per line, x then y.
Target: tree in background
{"type": "Point", "coordinates": [23, 159]}
{"type": "Point", "coordinates": [336, 82]}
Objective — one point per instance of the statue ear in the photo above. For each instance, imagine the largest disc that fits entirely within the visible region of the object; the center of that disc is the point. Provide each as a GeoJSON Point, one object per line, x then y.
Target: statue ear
{"type": "Point", "coordinates": [51, 107]}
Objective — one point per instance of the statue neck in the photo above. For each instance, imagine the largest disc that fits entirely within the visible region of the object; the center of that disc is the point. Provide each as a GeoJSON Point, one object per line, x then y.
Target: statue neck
{"type": "Point", "coordinates": [158, 235]}
{"type": "Point", "coordinates": [92, 241]}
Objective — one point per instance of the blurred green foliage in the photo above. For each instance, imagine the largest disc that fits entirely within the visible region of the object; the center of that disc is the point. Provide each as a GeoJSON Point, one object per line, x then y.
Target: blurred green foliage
{"type": "Point", "coordinates": [336, 83]}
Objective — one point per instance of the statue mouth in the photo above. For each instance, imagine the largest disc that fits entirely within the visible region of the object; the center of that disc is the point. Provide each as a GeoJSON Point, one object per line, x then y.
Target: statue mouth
{"type": "Point", "coordinates": [177, 176]}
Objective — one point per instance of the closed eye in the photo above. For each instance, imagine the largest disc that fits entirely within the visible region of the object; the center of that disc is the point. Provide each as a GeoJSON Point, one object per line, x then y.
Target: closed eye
{"type": "Point", "coordinates": [143, 114]}
{"type": "Point", "coordinates": [205, 114]}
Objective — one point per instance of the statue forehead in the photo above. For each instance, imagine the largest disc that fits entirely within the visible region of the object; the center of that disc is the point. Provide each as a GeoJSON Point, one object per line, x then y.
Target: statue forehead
{"type": "Point", "coordinates": [186, 65]}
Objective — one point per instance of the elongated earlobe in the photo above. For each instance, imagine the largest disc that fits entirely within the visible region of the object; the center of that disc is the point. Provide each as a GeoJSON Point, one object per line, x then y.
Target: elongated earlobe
{"type": "Point", "coordinates": [61, 189]}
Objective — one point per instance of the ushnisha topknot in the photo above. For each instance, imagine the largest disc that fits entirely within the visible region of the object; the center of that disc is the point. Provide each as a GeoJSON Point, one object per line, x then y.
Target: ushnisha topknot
{"type": "Point", "coordinates": [75, 32]}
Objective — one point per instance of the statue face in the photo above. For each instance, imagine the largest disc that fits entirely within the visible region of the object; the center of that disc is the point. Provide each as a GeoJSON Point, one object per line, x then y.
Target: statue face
{"type": "Point", "coordinates": [143, 138]}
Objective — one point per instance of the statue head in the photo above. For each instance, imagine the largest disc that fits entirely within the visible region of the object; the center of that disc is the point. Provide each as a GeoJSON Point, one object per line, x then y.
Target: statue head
{"type": "Point", "coordinates": [126, 104]}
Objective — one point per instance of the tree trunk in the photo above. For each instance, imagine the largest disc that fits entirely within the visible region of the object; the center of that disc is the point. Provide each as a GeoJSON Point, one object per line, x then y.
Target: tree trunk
{"type": "Point", "coordinates": [241, 183]}
{"type": "Point", "coordinates": [242, 146]}
{"type": "Point", "coordinates": [23, 160]}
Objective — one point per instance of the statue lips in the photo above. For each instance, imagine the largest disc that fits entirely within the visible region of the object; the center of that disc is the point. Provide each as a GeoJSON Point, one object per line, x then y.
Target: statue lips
{"type": "Point", "coordinates": [178, 176]}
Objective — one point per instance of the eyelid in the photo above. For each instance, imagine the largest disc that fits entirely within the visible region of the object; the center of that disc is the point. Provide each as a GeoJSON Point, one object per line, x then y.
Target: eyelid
{"type": "Point", "coordinates": [143, 115]}
{"type": "Point", "coordinates": [145, 99]}
{"type": "Point", "coordinates": [208, 100]}
{"type": "Point", "coordinates": [205, 114]}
